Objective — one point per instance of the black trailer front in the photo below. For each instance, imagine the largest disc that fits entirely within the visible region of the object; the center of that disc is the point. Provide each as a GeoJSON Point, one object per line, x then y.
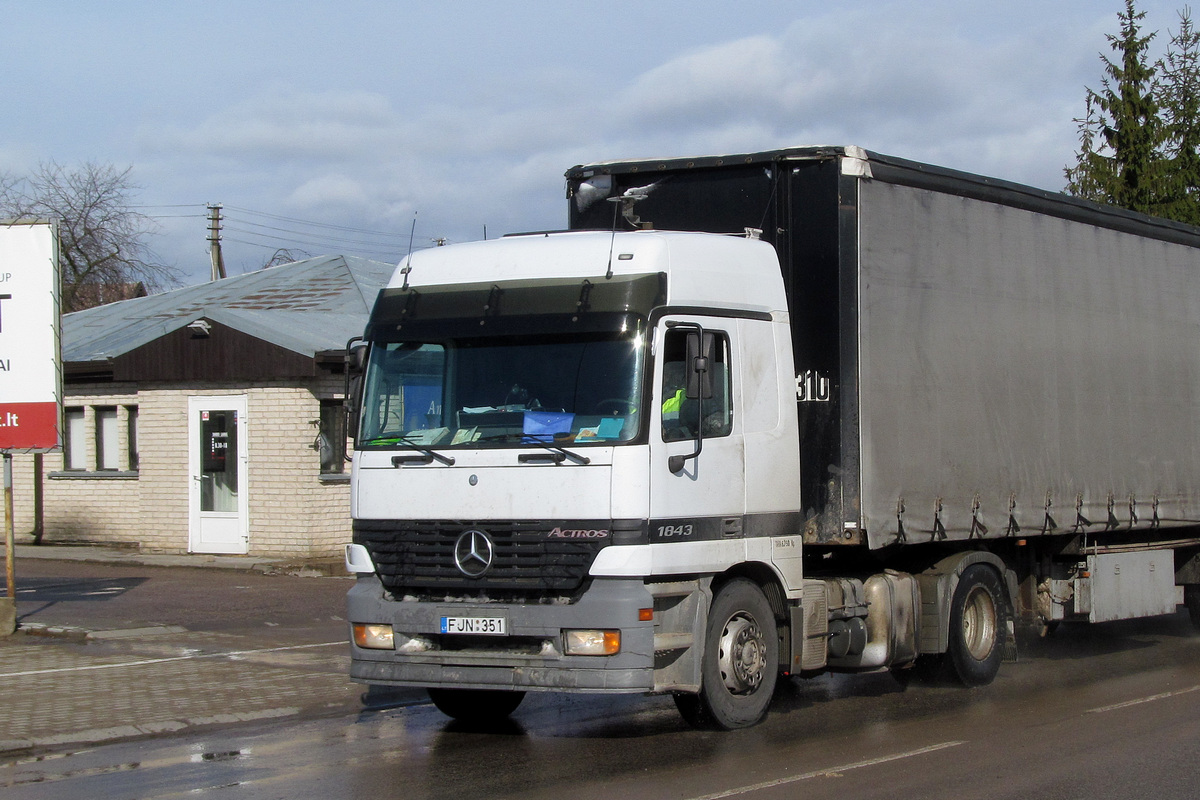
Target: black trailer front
{"type": "Point", "coordinates": [804, 207]}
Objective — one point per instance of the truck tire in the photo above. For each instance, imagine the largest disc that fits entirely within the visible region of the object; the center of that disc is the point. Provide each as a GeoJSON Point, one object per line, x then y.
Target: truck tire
{"type": "Point", "coordinates": [1191, 598]}
{"type": "Point", "coordinates": [740, 662]}
{"type": "Point", "coordinates": [977, 626]}
{"type": "Point", "coordinates": [476, 705]}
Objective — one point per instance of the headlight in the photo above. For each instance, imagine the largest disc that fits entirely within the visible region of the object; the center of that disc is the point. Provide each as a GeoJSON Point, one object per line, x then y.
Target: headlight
{"type": "Point", "coordinates": [592, 643]}
{"type": "Point", "coordinates": [374, 637]}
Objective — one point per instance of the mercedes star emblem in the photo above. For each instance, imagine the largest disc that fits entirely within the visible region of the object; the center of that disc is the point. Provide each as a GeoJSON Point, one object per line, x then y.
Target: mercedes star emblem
{"type": "Point", "coordinates": [473, 553]}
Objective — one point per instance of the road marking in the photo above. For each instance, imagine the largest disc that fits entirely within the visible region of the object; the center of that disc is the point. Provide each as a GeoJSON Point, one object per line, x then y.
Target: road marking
{"type": "Point", "coordinates": [229, 654]}
{"type": "Point", "coordinates": [1141, 700]}
{"type": "Point", "coordinates": [828, 771]}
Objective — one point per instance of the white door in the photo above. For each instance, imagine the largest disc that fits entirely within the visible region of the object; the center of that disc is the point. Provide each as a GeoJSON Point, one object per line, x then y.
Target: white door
{"type": "Point", "coordinates": [217, 458]}
{"type": "Point", "coordinates": [705, 499]}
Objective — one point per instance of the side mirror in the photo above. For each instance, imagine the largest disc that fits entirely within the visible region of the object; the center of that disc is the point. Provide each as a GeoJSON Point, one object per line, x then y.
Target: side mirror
{"type": "Point", "coordinates": [356, 356]}
{"type": "Point", "coordinates": [699, 362]}
{"type": "Point", "coordinates": [699, 378]}
{"type": "Point", "coordinates": [356, 363]}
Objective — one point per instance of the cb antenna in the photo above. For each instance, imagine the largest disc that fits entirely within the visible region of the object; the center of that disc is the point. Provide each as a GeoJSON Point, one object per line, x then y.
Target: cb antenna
{"type": "Point", "coordinates": [407, 268]}
{"type": "Point", "coordinates": [612, 239]}
{"type": "Point", "coordinates": [623, 204]}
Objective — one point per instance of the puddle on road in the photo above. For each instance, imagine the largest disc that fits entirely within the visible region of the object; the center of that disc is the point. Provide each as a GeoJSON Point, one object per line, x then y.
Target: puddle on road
{"type": "Point", "coordinates": [225, 755]}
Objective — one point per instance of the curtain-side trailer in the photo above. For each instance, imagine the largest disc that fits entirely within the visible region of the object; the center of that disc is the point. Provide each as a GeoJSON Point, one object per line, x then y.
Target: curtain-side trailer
{"type": "Point", "coordinates": [927, 409]}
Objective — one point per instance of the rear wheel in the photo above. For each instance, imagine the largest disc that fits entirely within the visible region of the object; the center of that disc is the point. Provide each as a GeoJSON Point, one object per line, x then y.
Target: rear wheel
{"type": "Point", "coordinates": [977, 626]}
{"type": "Point", "coordinates": [476, 705]}
{"type": "Point", "coordinates": [740, 662]}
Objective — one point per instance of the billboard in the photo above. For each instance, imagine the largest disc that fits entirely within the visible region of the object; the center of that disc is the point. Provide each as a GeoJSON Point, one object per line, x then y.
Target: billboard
{"type": "Point", "coordinates": [30, 366]}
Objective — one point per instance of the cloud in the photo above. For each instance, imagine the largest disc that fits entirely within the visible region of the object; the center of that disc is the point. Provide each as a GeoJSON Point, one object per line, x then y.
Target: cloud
{"type": "Point", "coordinates": [924, 94]}
{"type": "Point", "coordinates": [281, 123]}
{"type": "Point", "coordinates": [318, 193]}
{"type": "Point", "coordinates": [920, 87]}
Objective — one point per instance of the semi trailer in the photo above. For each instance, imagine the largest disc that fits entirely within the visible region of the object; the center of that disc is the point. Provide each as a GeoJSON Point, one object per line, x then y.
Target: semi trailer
{"type": "Point", "coordinates": [771, 414]}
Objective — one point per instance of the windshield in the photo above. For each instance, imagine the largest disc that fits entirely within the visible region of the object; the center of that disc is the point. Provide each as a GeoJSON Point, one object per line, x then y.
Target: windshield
{"type": "Point", "coordinates": [579, 388]}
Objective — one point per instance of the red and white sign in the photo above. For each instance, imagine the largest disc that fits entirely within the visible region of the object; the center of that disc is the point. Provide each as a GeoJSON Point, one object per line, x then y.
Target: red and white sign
{"type": "Point", "coordinates": [30, 369]}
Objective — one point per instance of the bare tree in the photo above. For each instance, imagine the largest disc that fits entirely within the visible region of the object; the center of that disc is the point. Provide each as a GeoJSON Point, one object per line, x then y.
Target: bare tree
{"type": "Point", "coordinates": [102, 237]}
{"type": "Point", "coordinates": [285, 255]}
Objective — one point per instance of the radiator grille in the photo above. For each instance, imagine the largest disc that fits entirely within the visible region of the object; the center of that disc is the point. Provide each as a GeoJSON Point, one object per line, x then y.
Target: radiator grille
{"type": "Point", "coordinates": [417, 557]}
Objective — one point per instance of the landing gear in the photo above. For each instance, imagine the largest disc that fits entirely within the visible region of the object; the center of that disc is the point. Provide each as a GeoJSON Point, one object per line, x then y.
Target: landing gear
{"type": "Point", "coordinates": [740, 661]}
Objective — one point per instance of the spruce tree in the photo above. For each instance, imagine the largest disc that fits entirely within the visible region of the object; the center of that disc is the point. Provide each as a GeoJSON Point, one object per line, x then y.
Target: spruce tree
{"type": "Point", "coordinates": [1121, 159]}
{"type": "Point", "coordinates": [1180, 96]}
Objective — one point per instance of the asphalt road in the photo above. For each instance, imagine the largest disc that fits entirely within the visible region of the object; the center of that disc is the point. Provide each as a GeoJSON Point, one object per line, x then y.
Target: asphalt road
{"type": "Point", "coordinates": [92, 596]}
{"type": "Point", "coordinates": [110, 652]}
{"type": "Point", "coordinates": [1108, 711]}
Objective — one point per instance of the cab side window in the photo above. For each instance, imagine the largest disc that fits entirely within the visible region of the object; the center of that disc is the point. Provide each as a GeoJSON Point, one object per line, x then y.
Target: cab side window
{"type": "Point", "coordinates": [682, 416]}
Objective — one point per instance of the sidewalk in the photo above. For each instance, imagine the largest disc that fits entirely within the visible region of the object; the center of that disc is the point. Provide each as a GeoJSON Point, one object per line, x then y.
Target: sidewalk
{"type": "Point", "coordinates": [114, 644]}
{"type": "Point", "coordinates": [97, 554]}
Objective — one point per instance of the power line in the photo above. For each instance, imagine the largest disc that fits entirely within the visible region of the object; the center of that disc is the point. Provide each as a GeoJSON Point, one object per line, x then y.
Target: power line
{"type": "Point", "coordinates": [313, 223]}
{"type": "Point", "coordinates": [302, 238]}
{"type": "Point", "coordinates": [339, 239]}
{"type": "Point", "coordinates": [311, 235]}
{"type": "Point", "coordinates": [292, 231]}
{"type": "Point", "coordinates": [393, 257]}
{"type": "Point", "coordinates": [173, 205]}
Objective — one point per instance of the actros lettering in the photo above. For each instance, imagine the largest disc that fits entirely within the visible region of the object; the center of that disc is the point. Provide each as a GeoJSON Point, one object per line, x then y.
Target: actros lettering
{"type": "Point", "coordinates": [576, 533]}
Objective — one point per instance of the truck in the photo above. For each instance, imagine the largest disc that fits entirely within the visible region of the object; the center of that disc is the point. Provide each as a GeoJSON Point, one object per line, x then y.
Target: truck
{"type": "Point", "coordinates": [765, 416]}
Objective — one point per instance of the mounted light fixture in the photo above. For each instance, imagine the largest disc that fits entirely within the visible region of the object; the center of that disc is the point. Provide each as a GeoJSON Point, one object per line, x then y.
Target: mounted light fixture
{"type": "Point", "coordinates": [200, 329]}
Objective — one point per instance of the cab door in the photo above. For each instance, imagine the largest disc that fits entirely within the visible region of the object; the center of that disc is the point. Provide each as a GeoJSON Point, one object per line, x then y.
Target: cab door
{"type": "Point", "coordinates": [704, 499]}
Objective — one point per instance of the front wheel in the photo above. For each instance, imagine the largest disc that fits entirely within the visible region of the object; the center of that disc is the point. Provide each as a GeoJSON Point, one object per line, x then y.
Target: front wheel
{"type": "Point", "coordinates": [977, 626]}
{"type": "Point", "coordinates": [476, 705]}
{"type": "Point", "coordinates": [740, 661]}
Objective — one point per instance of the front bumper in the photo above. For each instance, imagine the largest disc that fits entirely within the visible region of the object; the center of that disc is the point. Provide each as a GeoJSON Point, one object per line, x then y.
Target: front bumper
{"type": "Point", "coordinates": [530, 657]}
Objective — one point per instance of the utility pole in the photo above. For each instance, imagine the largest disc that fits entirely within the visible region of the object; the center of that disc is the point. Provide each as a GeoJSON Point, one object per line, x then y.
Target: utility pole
{"type": "Point", "coordinates": [214, 241]}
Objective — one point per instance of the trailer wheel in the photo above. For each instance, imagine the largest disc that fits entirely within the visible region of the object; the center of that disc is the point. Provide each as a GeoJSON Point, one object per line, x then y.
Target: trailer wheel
{"type": "Point", "coordinates": [740, 662]}
{"type": "Point", "coordinates": [1191, 597]}
{"type": "Point", "coordinates": [977, 626]}
{"type": "Point", "coordinates": [476, 705]}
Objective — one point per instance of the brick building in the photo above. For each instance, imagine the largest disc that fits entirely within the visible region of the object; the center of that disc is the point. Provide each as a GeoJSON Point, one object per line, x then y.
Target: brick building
{"type": "Point", "coordinates": [207, 419]}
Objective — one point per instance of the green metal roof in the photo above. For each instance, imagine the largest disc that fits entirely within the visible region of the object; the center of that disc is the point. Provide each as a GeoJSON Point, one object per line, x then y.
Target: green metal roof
{"type": "Point", "coordinates": [307, 307]}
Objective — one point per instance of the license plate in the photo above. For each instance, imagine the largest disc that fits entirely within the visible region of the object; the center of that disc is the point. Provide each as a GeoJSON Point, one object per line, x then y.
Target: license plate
{"type": "Point", "coordinates": [480, 626]}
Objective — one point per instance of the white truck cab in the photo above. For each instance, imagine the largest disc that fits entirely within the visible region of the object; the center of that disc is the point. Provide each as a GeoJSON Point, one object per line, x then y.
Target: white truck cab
{"type": "Point", "coordinates": [563, 438]}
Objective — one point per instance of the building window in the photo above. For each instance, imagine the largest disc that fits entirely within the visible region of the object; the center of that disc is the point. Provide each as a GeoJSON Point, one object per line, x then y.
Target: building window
{"type": "Point", "coordinates": [131, 415]}
{"type": "Point", "coordinates": [108, 448]}
{"type": "Point", "coordinates": [331, 437]}
{"type": "Point", "coordinates": [74, 439]}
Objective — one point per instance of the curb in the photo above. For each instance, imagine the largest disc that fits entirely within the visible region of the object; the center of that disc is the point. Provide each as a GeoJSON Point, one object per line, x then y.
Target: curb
{"type": "Point", "coordinates": [126, 556]}
{"type": "Point", "coordinates": [67, 632]}
{"type": "Point", "coordinates": [11, 747]}
{"type": "Point", "coordinates": [51, 631]}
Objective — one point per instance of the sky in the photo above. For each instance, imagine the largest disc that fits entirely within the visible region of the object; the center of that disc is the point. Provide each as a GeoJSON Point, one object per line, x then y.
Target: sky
{"type": "Point", "coordinates": [329, 127]}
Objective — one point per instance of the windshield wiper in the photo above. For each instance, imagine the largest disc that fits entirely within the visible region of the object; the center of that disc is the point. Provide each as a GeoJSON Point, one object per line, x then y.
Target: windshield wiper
{"type": "Point", "coordinates": [562, 452]}
{"type": "Point", "coordinates": [429, 454]}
